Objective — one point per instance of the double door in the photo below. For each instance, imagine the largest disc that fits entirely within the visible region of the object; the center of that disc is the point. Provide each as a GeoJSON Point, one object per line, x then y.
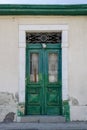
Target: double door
{"type": "Point", "coordinates": [43, 79]}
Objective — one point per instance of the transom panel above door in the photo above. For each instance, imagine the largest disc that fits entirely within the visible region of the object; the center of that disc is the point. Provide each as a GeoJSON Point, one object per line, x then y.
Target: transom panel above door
{"type": "Point", "coordinates": [43, 74]}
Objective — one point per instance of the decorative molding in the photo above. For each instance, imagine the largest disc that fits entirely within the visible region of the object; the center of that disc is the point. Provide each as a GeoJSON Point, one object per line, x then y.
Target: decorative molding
{"type": "Point", "coordinates": [22, 74]}
{"type": "Point", "coordinates": [42, 28]}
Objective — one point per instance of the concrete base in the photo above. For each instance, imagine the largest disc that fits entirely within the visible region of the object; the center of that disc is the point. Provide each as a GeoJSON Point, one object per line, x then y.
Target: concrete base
{"type": "Point", "coordinates": [43, 119]}
{"type": "Point", "coordinates": [44, 126]}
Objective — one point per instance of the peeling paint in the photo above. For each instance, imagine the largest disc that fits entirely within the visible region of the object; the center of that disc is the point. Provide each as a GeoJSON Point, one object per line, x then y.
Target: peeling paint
{"type": "Point", "coordinates": [66, 109]}
{"type": "Point", "coordinates": [21, 109]}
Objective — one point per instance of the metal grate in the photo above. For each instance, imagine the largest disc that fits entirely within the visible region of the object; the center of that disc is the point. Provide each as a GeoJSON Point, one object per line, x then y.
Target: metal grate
{"type": "Point", "coordinates": [54, 37]}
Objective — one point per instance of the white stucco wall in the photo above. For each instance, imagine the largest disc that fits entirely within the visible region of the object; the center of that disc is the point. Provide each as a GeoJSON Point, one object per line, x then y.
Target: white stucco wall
{"type": "Point", "coordinates": [8, 66]}
{"type": "Point", "coordinates": [77, 54]}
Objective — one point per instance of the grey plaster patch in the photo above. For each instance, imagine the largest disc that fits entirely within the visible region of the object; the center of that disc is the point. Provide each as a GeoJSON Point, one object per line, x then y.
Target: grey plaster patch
{"type": "Point", "coordinates": [9, 117]}
{"type": "Point", "coordinates": [17, 96]}
{"type": "Point", "coordinates": [8, 104]}
{"type": "Point", "coordinates": [74, 101]}
{"type": "Point", "coordinates": [5, 98]}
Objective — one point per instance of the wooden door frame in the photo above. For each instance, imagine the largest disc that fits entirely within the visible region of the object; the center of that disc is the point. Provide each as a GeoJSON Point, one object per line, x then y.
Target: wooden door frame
{"type": "Point", "coordinates": [22, 57]}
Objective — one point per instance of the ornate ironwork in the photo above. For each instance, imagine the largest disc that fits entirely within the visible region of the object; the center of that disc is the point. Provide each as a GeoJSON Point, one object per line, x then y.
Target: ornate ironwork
{"type": "Point", "coordinates": [54, 37]}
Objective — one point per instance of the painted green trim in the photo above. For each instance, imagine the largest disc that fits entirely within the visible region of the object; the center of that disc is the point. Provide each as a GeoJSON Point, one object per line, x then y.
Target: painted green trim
{"type": "Point", "coordinates": [66, 110]}
{"type": "Point", "coordinates": [9, 9]}
{"type": "Point", "coordinates": [21, 109]}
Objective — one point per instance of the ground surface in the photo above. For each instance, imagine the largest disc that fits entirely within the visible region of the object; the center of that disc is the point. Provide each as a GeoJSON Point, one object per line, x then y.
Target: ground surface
{"type": "Point", "coordinates": [44, 126]}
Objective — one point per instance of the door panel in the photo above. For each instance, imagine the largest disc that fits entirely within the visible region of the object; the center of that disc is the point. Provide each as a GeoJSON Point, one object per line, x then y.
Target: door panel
{"type": "Point", "coordinates": [34, 90]}
{"type": "Point", "coordinates": [34, 101]}
{"type": "Point", "coordinates": [43, 74]}
{"type": "Point", "coordinates": [52, 83]}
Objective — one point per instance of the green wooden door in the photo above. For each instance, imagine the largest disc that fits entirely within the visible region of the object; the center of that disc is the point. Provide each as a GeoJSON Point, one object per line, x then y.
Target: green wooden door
{"type": "Point", "coordinates": [43, 79]}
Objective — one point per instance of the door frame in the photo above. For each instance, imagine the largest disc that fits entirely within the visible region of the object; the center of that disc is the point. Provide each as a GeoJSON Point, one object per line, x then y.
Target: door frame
{"type": "Point", "coordinates": [22, 58]}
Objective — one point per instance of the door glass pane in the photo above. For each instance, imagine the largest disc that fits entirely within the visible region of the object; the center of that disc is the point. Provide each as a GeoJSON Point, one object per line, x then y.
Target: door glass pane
{"type": "Point", "coordinates": [53, 67]}
{"type": "Point", "coordinates": [34, 63]}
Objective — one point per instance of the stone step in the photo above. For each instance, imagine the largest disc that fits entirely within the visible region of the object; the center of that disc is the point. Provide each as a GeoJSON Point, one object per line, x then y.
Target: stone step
{"type": "Point", "coordinates": [44, 126]}
{"type": "Point", "coordinates": [43, 119]}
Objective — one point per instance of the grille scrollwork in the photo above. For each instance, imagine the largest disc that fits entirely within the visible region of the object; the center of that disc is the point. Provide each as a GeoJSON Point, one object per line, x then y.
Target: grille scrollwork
{"type": "Point", "coordinates": [54, 37]}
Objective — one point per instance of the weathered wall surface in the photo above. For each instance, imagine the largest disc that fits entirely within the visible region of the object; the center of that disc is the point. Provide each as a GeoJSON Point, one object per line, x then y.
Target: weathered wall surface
{"type": "Point", "coordinates": [77, 63]}
{"type": "Point", "coordinates": [8, 104]}
{"type": "Point", "coordinates": [8, 66]}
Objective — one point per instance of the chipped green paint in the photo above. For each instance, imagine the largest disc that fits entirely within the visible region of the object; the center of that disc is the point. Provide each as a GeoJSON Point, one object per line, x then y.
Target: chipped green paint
{"type": "Point", "coordinates": [21, 109]}
{"type": "Point", "coordinates": [66, 110]}
{"type": "Point", "coordinates": [40, 76]}
{"type": "Point", "coordinates": [27, 80]}
{"type": "Point", "coordinates": [43, 97]}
